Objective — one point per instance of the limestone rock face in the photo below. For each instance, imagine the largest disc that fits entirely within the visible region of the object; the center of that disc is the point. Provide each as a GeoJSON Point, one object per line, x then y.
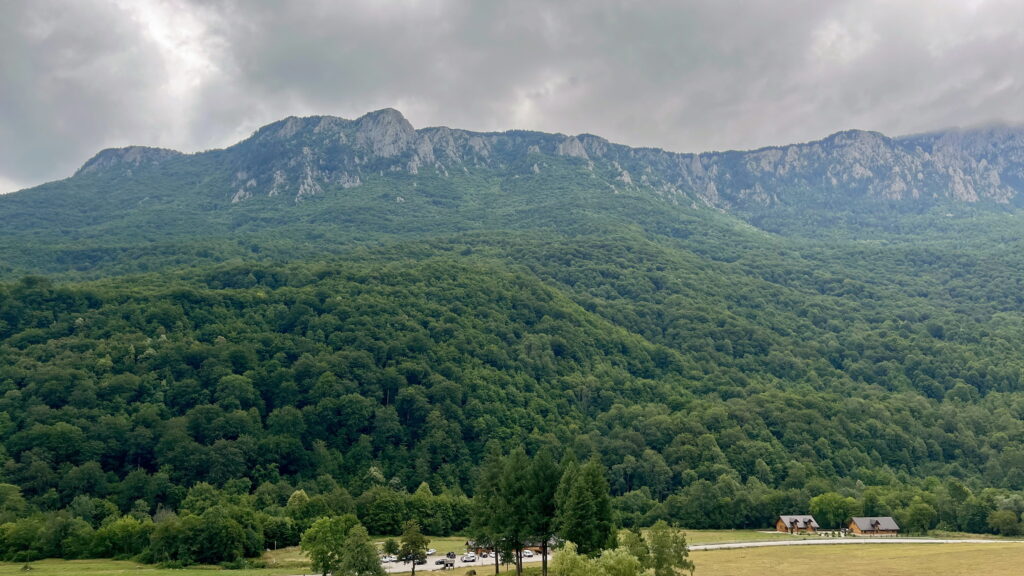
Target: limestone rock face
{"type": "Point", "coordinates": [301, 157]}
{"type": "Point", "coordinates": [386, 133]}
{"type": "Point", "coordinates": [571, 147]}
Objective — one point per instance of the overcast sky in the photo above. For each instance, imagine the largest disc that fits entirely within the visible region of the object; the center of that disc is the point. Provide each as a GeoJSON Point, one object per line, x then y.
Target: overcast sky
{"type": "Point", "coordinates": [77, 76]}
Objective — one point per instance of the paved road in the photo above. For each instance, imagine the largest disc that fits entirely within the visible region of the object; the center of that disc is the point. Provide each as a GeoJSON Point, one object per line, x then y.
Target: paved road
{"type": "Point", "coordinates": [834, 541]}
{"type": "Point", "coordinates": [483, 564]}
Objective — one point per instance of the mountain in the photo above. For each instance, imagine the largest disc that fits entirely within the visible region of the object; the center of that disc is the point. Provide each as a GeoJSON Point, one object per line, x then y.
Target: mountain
{"type": "Point", "coordinates": [377, 178]}
{"type": "Point", "coordinates": [299, 157]}
{"type": "Point", "coordinates": [355, 308]}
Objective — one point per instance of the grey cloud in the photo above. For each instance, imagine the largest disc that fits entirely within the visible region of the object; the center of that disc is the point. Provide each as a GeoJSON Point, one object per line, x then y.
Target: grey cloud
{"type": "Point", "coordinates": [687, 76]}
{"type": "Point", "coordinates": [73, 76]}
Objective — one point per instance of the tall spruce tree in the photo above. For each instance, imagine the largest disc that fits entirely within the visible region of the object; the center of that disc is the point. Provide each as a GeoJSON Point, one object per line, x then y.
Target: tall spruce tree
{"type": "Point", "coordinates": [545, 475]}
{"type": "Point", "coordinates": [488, 505]}
{"type": "Point", "coordinates": [585, 509]}
{"type": "Point", "coordinates": [516, 499]}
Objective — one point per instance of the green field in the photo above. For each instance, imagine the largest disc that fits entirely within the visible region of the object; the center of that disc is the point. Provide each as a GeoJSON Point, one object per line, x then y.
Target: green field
{"type": "Point", "coordinates": [695, 537]}
{"type": "Point", "coordinates": [996, 559]}
{"type": "Point", "coordinates": [443, 545]}
{"type": "Point", "coordinates": [120, 568]}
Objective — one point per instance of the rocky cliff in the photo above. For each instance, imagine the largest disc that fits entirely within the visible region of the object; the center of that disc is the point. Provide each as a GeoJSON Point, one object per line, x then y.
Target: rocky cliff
{"type": "Point", "coordinates": [299, 157]}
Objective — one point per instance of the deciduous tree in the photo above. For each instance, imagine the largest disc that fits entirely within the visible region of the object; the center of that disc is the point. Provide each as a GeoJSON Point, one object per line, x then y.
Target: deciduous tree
{"type": "Point", "coordinates": [413, 544]}
{"type": "Point", "coordinates": [324, 542]}
{"type": "Point", "coordinates": [359, 555]}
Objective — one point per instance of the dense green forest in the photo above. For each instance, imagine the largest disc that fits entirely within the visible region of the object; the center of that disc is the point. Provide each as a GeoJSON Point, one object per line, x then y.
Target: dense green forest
{"type": "Point", "coordinates": [716, 393]}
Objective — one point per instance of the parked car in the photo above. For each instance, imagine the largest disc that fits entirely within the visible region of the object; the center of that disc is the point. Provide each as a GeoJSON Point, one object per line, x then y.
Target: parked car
{"type": "Point", "coordinates": [450, 554]}
{"type": "Point", "coordinates": [388, 558]}
{"type": "Point", "coordinates": [527, 553]}
{"type": "Point", "coordinates": [431, 551]}
{"type": "Point", "coordinates": [440, 561]}
{"type": "Point", "coordinates": [468, 558]}
{"type": "Point", "coordinates": [485, 554]}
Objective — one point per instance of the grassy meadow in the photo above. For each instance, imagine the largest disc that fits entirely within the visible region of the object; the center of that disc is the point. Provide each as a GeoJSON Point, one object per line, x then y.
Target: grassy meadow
{"type": "Point", "coordinates": [697, 537]}
{"type": "Point", "coordinates": [106, 567]}
{"type": "Point", "coordinates": [990, 559]}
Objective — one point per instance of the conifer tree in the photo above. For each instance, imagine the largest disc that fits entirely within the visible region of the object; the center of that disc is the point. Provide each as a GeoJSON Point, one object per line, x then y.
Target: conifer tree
{"type": "Point", "coordinates": [485, 523]}
{"type": "Point", "coordinates": [585, 509]}
{"type": "Point", "coordinates": [516, 499]}
{"type": "Point", "coordinates": [545, 474]}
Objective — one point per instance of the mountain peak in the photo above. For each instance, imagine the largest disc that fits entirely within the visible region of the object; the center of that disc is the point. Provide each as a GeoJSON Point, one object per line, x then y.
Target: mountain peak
{"type": "Point", "coordinates": [129, 155]}
{"type": "Point", "coordinates": [855, 136]}
{"type": "Point", "coordinates": [385, 131]}
{"type": "Point", "coordinates": [384, 115]}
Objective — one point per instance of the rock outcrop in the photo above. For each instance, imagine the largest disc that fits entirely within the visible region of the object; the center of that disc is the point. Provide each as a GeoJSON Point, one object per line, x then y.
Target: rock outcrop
{"type": "Point", "coordinates": [125, 159]}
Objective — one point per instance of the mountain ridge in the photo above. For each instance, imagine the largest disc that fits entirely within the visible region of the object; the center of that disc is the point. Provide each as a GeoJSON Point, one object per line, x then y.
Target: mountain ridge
{"type": "Point", "coordinates": [336, 183]}
{"type": "Point", "coordinates": [309, 155]}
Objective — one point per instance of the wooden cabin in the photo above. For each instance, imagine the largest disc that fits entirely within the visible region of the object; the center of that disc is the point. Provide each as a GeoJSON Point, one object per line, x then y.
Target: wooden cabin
{"type": "Point", "coordinates": [796, 524]}
{"type": "Point", "coordinates": [874, 526]}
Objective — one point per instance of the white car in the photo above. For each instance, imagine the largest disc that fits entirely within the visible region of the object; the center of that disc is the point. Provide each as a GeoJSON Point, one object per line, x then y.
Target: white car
{"type": "Point", "coordinates": [527, 553]}
{"type": "Point", "coordinates": [468, 558]}
{"type": "Point", "coordinates": [388, 558]}
{"type": "Point", "coordinates": [431, 551]}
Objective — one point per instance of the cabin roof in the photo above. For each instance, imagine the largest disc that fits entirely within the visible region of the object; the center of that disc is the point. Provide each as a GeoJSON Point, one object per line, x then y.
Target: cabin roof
{"type": "Point", "coordinates": [802, 521]}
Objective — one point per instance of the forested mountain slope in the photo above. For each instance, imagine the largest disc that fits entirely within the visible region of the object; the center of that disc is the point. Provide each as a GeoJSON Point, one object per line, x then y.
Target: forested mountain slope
{"type": "Point", "coordinates": [355, 308]}
{"type": "Point", "coordinates": [680, 373]}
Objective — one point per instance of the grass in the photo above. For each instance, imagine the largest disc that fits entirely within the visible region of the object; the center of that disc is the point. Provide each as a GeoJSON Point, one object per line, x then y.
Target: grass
{"type": "Point", "coordinates": [996, 559]}
{"type": "Point", "coordinates": [123, 568]}
{"type": "Point", "coordinates": [695, 537]}
{"type": "Point", "coordinates": [948, 535]}
{"type": "Point", "coordinates": [443, 545]}
{"type": "Point", "coordinates": [291, 558]}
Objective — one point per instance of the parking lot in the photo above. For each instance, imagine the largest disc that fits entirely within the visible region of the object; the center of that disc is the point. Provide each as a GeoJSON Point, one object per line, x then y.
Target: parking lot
{"type": "Point", "coordinates": [431, 566]}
